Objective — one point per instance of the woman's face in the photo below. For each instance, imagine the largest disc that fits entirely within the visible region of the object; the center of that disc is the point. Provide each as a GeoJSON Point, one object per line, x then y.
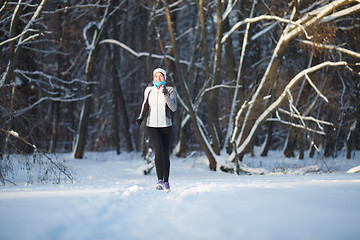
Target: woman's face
{"type": "Point", "coordinates": [158, 77]}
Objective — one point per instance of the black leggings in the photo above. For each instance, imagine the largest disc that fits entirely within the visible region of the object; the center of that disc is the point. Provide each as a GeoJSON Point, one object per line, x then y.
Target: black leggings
{"type": "Point", "coordinates": [160, 140]}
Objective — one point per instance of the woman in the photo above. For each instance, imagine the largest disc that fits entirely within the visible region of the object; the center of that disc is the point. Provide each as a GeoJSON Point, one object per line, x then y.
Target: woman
{"type": "Point", "coordinates": [159, 103]}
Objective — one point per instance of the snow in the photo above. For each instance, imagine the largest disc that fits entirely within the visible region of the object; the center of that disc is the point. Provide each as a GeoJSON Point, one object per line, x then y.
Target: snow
{"type": "Point", "coordinates": [354, 169]}
{"type": "Point", "coordinates": [111, 198]}
{"type": "Point", "coordinates": [15, 134]}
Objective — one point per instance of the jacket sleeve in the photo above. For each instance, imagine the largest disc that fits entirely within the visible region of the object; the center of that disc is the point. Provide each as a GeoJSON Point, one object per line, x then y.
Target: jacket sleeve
{"type": "Point", "coordinates": [145, 104]}
{"type": "Point", "coordinates": [171, 98]}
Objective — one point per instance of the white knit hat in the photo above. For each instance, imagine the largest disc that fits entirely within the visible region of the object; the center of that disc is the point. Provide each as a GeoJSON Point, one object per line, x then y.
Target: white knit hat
{"type": "Point", "coordinates": [160, 70]}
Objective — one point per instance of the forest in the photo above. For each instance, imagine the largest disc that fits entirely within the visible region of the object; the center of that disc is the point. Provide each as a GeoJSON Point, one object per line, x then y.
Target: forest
{"type": "Point", "coordinates": [278, 75]}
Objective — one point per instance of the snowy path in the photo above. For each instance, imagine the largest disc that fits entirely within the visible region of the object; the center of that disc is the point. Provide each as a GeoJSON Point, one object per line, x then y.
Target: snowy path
{"type": "Point", "coordinates": [113, 200]}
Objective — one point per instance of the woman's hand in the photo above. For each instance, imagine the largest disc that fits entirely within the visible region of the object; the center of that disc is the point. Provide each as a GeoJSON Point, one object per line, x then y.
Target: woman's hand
{"type": "Point", "coordinates": [139, 121]}
{"type": "Point", "coordinates": [165, 91]}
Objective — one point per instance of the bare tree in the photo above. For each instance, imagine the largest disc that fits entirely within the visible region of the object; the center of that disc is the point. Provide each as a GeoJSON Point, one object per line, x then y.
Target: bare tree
{"type": "Point", "coordinates": [232, 62]}
{"type": "Point", "coordinates": [255, 115]}
{"type": "Point", "coordinates": [199, 132]}
{"type": "Point", "coordinates": [92, 45]}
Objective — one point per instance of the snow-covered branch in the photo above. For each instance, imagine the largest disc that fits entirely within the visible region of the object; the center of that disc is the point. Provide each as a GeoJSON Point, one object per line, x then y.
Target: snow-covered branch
{"type": "Point", "coordinates": [21, 40]}
{"type": "Point", "coordinates": [252, 121]}
{"type": "Point", "coordinates": [229, 8]}
{"type": "Point", "coordinates": [238, 78]}
{"type": "Point", "coordinates": [161, 11]}
{"type": "Point", "coordinates": [317, 15]}
{"type": "Point", "coordinates": [89, 46]}
{"type": "Point", "coordinates": [279, 100]}
{"type": "Point", "coordinates": [18, 36]}
{"type": "Point", "coordinates": [268, 28]}
{"type": "Point", "coordinates": [60, 168]}
{"type": "Point", "coordinates": [55, 99]}
{"type": "Point", "coordinates": [315, 88]}
{"type": "Point", "coordinates": [307, 118]}
{"type": "Point", "coordinates": [141, 54]}
{"type": "Point", "coordinates": [67, 8]}
{"type": "Point", "coordinates": [224, 85]}
{"type": "Point", "coordinates": [50, 77]}
{"type": "Point", "coordinates": [301, 126]}
{"type": "Point", "coordinates": [3, 6]}
{"type": "Point", "coordinates": [342, 13]}
{"type": "Point", "coordinates": [32, 20]}
{"type": "Point", "coordinates": [237, 118]}
{"type": "Point", "coordinates": [238, 115]}
{"type": "Point", "coordinates": [260, 18]}
{"type": "Point", "coordinates": [332, 47]}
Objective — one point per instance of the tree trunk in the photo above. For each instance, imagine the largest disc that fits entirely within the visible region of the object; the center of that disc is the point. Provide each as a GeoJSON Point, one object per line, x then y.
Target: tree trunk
{"type": "Point", "coordinates": [312, 147]}
{"type": "Point", "coordinates": [115, 104]}
{"type": "Point", "coordinates": [13, 55]}
{"type": "Point", "coordinates": [239, 82]}
{"type": "Point", "coordinates": [59, 63]}
{"type": "Point", "coordinates": [125, 118]}
{"type": "Point", "coordinates": [148, 62]}
{"type": "Point", "coordinates": [205, 146]}
{"type": "Point", "coordinates": [230, 67]}
{"type": "Point", "coordinates": [183, 119]}
{"type": "Point", "coordinates": [356, 131]}
{"type": "Point", "coordinates": [84, 120]}
{"type": "Point", "coordinates": [329, 140]}
{"type": "Point", "coordinates": [54, 133]}
{"type": "Point", "coordinates": [212, 109]}
{"type": "Point", "coordinates": [315, 141]}
{"type": "Point", "coordinates": [348, 145]}
{"type": "Point", "coordinates": [268, 140]}
{"type": "Point", "coordinates": [184, 136]}
{"type": "Point", "coordinates": [214, 95]}
{"type": "Point", "coordinates": [120, 95]}
{"type": "Point", "coordinates": [86, 109]}
{"type": "Point", "coordinates": [290, 143]}
{"type": "Point", "coordinates": [85, 113]}
{"type": "Point", "coordinates": [229, 53]}
{"type": "Point", "coordinates": [300, 141]}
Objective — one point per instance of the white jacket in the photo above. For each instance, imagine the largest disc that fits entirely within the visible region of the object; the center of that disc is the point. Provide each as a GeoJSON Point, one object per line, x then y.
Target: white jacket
{"type": "Point", "coordinates": [158, 106]}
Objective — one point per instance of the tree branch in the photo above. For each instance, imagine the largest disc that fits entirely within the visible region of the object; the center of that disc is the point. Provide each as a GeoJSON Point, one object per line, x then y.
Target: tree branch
{"type": "Point", "coordinates": [56, 99]}
{"type": "Point", "coordinates": [342, 13]}
{"type": "Point", "coordinates": [140, 54]}
{"type": "Point", "coordinates": [279, 100]}
{"type": "Point", "coordinates": [332, 47]}
{"type": "Point", "coordinates": [15, 134]}
{"type": "Point", "coordinates": [307, 118]}
{"type": "Point", "coordinates": [260, 18]}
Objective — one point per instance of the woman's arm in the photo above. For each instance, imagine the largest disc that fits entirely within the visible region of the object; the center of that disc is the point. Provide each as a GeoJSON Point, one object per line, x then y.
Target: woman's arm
{"type": "Point", "coordinates": [145, 104]}
{"type": "Point", "coordinates": [170, 98]}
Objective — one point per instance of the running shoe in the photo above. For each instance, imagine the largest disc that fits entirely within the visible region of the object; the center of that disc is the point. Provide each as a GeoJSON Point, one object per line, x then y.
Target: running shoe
{"type": "Point", "coordinates": [160, 185]}
{"type": "Point", "coordinates": [167, 187]}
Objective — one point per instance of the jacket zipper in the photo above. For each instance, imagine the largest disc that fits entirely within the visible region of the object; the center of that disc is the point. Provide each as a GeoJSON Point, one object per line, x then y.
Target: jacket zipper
{"type": "Point", "coordinates": [157, 109]}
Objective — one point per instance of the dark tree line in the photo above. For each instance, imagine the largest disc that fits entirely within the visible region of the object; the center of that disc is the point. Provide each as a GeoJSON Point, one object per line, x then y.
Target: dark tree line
{"type": "Point", "coordinates": [277, 74]}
